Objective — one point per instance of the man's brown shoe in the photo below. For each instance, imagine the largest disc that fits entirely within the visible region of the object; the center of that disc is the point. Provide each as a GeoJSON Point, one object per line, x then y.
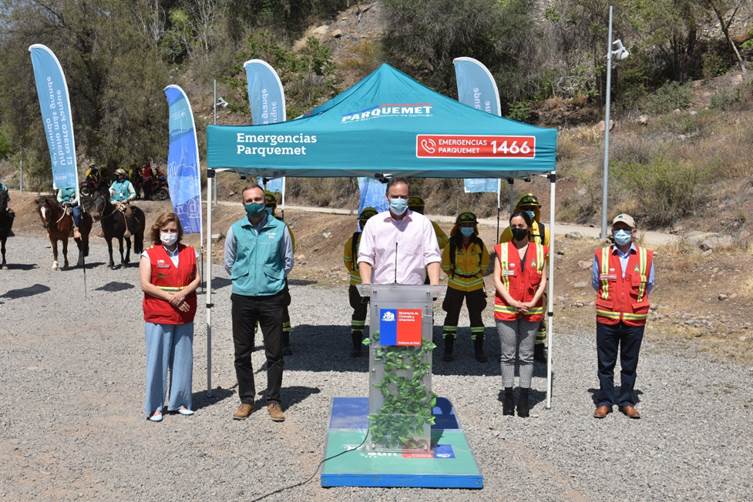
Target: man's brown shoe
{"type": "Point", "coordinates": [243, 411]}
{"type": "Point", "coordinates": [275, 411]}
{"type": "Point", "coordinates": [630, 411]}
{"type": "Point", "coordinates": [602, 411]}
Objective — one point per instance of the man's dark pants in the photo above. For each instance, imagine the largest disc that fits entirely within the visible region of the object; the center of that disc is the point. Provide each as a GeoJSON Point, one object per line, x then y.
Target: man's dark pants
{"type": "Point", "coordinates": [610, 338]}
{"type": "Point", "coordinates": [246, 311]}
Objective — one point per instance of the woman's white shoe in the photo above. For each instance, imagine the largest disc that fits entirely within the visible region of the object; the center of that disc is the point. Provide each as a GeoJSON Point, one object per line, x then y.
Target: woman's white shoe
{"type": "Point", "coordinates": [185, 411]}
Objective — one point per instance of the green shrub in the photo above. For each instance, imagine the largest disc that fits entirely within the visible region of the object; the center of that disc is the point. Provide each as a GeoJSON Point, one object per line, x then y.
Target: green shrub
{"type": "Point", "coordinates": [519, 110]}
{"type": "Point", "coordinates": [670, 96]}
{"type": "Point", "coordinates": [667, 190]}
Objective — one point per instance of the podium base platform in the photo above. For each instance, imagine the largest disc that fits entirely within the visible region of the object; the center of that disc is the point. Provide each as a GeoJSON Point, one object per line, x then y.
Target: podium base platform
{"type": "Point", "coordinates": [449, 465]}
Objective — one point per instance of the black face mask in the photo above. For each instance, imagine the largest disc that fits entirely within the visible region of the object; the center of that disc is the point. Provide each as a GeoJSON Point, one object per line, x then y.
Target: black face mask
{"type": "Point", "coordinates": [519, 233]}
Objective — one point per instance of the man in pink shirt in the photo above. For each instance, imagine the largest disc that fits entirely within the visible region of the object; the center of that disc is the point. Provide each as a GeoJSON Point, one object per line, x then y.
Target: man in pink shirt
{"type": "Point", "coordinates": [398, 246]}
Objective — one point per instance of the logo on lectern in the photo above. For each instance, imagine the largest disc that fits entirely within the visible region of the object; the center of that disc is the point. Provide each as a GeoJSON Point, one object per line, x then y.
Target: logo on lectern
{"type": "Point", "coordinates": [388, 316]}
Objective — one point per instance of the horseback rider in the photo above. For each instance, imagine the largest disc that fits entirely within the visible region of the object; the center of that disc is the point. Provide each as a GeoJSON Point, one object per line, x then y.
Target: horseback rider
{"type": "Point", "coordinates": [67, 198]}
{"type": "Point", "coordinates": [122, 192]}
{"type": "Point", "coordinates": [8, 211]}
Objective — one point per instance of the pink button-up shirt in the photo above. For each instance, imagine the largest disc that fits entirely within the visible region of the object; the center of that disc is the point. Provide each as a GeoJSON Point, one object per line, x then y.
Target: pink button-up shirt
{"type": "Point", "coordinates": [410, 242]}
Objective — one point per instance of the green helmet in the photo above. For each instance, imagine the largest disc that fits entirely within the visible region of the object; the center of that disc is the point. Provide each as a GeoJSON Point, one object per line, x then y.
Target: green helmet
{"type": "Point", "coordinates": [466, 217]}
{"type": "Point", "coordinates": [528, 200]}
{"type": "Point", "coordinates": [367, 213]}
{"type": "Point", "coordinates": [416, 203]}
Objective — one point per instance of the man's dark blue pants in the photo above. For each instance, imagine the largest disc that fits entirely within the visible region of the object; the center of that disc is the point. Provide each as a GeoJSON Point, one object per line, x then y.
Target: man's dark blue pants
{"type": "Point", "coordinates": [610, 339]}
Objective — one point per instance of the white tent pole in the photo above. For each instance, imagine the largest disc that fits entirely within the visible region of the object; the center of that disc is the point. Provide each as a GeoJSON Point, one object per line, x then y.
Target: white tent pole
{"type": "Point", "coordinates": [283, 197]}
{"type": "Point", "coordinates": [209, 305]}
{"type": "Point", "coordinates": [499, 194]}
{"type": "Point", "coordinates": [550, 291]}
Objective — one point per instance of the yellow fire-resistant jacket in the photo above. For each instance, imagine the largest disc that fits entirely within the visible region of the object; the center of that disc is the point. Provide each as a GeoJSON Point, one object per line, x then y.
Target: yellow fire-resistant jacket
{"type": "Point", "coordinates": [470, 264]}
{"type": "Point", "coordinates": [350, 261]}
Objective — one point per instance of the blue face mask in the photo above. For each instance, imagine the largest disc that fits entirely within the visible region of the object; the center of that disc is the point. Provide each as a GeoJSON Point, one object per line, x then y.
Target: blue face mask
{"type": "Point", "coordinates": [254, 208]}
{"type": "Point", "coordinates": [398, 206]}
{"type": "Point", "coordinates": [466, 231]}
{"type": "Point", "coordinates": [531, 214]}
{"type": "Point", "coordinates": [622, 237]}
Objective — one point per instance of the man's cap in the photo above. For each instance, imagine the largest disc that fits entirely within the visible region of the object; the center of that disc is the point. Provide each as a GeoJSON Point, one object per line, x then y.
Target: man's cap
{"type": "Point", "coordinates": [624, 218]}
{"type": "Point", "coordinates": [270, 199]}
{"type": "Point", "coordinates": [466, 217]}
{"type": "Point", "coordinates": [528, 200]}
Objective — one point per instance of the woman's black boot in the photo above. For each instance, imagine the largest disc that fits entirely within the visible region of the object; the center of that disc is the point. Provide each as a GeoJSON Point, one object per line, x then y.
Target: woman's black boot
{"type": "Point", "coordinates": [523, 403]}
{"type": "Point", "coordinates": [508, 404]}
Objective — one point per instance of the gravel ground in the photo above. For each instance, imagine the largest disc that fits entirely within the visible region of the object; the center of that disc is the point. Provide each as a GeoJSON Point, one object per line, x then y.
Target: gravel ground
{"type": "Point", "coordinates": [72, 389]}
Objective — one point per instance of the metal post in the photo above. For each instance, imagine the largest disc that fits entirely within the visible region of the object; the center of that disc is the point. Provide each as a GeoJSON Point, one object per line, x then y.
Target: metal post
{"type": "Point", "coordinates": [212, 194]}
{"type": "Point", "coordinates": [550, 291]}
{"type": "Point", "coordinates": [21, 174]}
{"type": "Point", "coordinates": [605, 182]}
{"type": "Point", "coordinates": [208, 268]}
{"type": "Point", "coordinates": [499, 194]}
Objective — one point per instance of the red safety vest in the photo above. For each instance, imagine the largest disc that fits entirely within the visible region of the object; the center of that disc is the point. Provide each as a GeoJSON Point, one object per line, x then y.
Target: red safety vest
{"type": "Point", "coordinates": [521, 285]}
{"type": "Point", "coordinates": [166, 276]}
{"type": "Point", "coordinates": [623, 299]}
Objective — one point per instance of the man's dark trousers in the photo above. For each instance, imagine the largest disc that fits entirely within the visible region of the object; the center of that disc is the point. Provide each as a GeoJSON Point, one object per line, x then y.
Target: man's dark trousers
{"type": "Point", "coordinates": [246, 311]}
{"type": "Point", "coordinates": [610, 338]}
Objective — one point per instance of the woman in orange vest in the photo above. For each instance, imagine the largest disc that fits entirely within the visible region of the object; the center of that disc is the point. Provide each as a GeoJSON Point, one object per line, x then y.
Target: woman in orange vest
{"type": "Point", "coordinates": [169, 278]}
{"type": "Point", "coordinates": [520, 280]}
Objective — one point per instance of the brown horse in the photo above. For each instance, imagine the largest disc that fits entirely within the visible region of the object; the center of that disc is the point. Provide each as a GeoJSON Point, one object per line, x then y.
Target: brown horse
{"type": "Point", "coordinates": [59, 225]}
{"type": "Point", "coordinates": [116, 225]}
{"type": "Point", "coordinates": [6, 222]}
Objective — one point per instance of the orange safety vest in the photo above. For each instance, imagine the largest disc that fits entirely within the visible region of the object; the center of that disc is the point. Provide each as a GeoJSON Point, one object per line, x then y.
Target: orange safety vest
{"type": "Point", "coordinates": [521, 285]}
{"type": "Point", "coordinates": [623, 299]}
{"type": "Point", "coordinates": [168, 277]}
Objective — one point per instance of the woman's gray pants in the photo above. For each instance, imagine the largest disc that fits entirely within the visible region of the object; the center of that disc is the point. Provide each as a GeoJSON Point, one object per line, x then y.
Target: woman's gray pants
{"type": "Point", "coordinates": [517, 337]}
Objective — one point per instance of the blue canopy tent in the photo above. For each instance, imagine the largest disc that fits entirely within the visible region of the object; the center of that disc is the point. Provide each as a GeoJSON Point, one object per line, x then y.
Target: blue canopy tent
{"type": "Point", "coordinates": [388, 124]}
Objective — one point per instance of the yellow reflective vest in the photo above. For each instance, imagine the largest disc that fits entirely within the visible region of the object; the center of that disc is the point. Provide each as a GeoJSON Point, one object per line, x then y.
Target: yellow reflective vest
{"type": "Point", "coordinates": [350, 261]}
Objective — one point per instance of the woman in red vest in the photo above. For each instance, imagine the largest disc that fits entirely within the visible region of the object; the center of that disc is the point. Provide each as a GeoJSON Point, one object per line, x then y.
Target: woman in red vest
{"type": "Point", "coordinates": [520, 280]}
{"type": "Point", "coordinates": [169, 278]}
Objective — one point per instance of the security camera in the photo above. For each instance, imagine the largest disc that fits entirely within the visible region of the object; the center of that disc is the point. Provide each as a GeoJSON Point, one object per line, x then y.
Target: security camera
{"type": "Point", "coordinates": [221, 103]}
{"type": "Point", "coordinates": [620, 52]}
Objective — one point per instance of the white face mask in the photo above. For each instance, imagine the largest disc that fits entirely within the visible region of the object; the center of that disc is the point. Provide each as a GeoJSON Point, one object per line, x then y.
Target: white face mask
{"type": "Point", "coordinates": [168, 238]}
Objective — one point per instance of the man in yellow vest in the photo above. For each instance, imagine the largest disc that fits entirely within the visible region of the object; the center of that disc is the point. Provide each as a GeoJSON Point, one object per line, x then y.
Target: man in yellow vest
{"type": "Point", "coordinates": [540, 234]}
{"type": "Point", "coordinates": [357, 303]}
{"type": "Point", "coordinates": [464, 261]}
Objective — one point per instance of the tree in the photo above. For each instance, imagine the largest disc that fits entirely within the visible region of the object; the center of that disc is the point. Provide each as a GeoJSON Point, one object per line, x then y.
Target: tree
{"type": "Point", "coordinates": [725, 12]}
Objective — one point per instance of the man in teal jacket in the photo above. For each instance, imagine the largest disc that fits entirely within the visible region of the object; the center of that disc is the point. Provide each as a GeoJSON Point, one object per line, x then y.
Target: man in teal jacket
{"type": "Point", "coordinates": [258, 257]}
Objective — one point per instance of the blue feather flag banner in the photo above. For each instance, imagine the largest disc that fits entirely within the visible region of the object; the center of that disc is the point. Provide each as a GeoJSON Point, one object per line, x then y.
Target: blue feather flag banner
{"type": "Point", "coordinates": [183, 175]}
{"type": "Point", "coordinates": [266, 97]}
{"type": "Point", "coordinates": [55, 105]}
{"type": "Point", "coordinates": [477, 88]}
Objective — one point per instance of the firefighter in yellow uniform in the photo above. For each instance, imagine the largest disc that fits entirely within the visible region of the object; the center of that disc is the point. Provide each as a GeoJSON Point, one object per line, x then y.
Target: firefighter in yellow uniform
{"type": "Point", "coordinates": [464, 261]}
{"type": "Point", "coordinates": [358, 303]}
{"type": "Point", "coordinates": [539, 235]}
{"type": "Point", "coordinates": [270, 201]}
{"type": "Point", "coordinates": [416, 203]}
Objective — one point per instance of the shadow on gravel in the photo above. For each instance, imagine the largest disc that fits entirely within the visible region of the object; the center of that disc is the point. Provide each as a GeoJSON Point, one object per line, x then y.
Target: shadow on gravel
{"type": "Point", "coordinates": [594, 392]}
{"type": "Point", "coordinates": [35, 289]}
{"type": "Point", "coordinates": [301, 282]}
{"type": "Point", "coordinates": [114, 287]}
{"type": "Point", "coordinates": [203, 400]}
{"type": "Point", "coordinates": [94, 264]}
{"type": "Point", "coordinates": [21, 266]}
{"type": "Point", "coordinates": [290, 396]}
{"type": "Point", "coordinates": [535, 397]}
{"type": "Point", "coordinates": [327, 348]}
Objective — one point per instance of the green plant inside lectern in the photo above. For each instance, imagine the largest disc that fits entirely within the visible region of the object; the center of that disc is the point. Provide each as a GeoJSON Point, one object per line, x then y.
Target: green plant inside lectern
{"type": "Point", "coordinates": [406, 411]}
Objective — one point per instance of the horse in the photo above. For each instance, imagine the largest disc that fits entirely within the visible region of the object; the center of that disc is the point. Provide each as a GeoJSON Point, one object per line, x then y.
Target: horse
{"type": "Point", "coordinates": [5, 224]}
{"type": "Point", "coordinates": [59, 224]}
{"type": "Point", "coordinates": [116, 225]}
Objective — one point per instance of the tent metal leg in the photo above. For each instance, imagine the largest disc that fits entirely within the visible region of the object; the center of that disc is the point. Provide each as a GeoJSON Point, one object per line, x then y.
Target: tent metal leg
{"type": "Point", "coordinates": [208, 268]}
{"type": "Point", "coordinates": [550, 291]}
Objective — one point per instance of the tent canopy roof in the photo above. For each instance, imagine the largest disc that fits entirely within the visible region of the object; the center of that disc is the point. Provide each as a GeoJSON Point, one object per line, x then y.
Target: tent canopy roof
{"type": "Point", "coordinates": [387, 123]}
